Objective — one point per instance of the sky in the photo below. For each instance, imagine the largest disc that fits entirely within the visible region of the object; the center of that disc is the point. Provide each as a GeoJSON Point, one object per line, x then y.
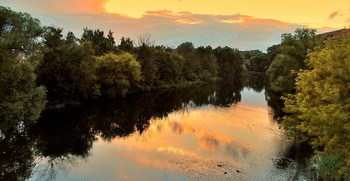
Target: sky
{"type": "Point", "coordinates": [246, 25]}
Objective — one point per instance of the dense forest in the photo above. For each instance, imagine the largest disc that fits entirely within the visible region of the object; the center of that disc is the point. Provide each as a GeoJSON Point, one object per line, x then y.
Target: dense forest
{"type": "Point", "coordinates": [42, 69]}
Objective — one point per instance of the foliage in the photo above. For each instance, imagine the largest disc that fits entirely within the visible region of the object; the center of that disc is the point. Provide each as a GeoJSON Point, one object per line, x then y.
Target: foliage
{"type": "Point", "coordinates": [66, 70]}
{"type": "Point", "coordinates": [291, 52]}
{"type": "Point", "coordinates": [148, 66]}
{"type": "Point", "coordinates": [320, 109]}
{"type": "Point", "coordinates": [100, 43]}
{"type": "Point", "coordinates": [126, 45]}
{"type": "Point", "coordinates": [230, 62]}
{"type": "Point", "coordinates": [280, 75]}
{"type": "Point", "coordinates": [209, 63]}
{"type": "Point", "coordinates": [21, 99]}
{"type": "Point", "coordinates": [115, 73]}
{"type": "Point", "coordinates": [169, 67]}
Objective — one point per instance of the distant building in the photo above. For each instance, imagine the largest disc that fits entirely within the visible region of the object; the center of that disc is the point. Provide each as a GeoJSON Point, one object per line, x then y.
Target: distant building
{"type": "Point", "coordinates": [334, 33]}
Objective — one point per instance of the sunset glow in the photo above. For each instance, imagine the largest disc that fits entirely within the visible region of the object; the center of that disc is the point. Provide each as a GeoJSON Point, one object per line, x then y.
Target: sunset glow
{"type": "Point", "coordinates": [297, 11]}
{"type": "Point", "coordinates": [245, 25]}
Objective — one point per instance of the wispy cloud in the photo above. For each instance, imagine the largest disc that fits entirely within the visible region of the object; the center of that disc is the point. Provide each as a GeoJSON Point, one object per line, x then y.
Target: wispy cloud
{"type": "Point", "coordinates": [166, 27]}
{"type": "Point", "coordinates": [333, 15]}
{"type": "Point", "coordinates": [171, 29]}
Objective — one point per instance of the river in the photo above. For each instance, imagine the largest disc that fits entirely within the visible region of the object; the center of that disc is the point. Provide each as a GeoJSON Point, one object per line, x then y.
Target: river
{"type": "Point", "coordinates": [207, 132]}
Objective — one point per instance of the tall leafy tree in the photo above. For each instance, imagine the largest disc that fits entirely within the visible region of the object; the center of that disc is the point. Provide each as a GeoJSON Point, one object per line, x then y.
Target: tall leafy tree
{"type": "Point", "coordinates": [148, 65]}
{"type": "Point", "coordinates": [208, 61]}
{"type": "Point", "coordinates": [320, 109]}
{"type": "Point", "coordinates": [230, 62]}
{"type": "Point", "coordinates": [192, 65]}
{"type": "Point", "coordinates": [100, 43]}
{"type": "Point", "coordinates": [292, 52]}
{"type": "Point", "coordinates": [169, 66]}
{"type": "Point", "coordinates": [21, 99]}
{"type": "Point", "coordinates": [66, 69]}
{"type": "Point", "coordinates": [126, 45]}
{"type": "Point", "coordinates": [116, 73]}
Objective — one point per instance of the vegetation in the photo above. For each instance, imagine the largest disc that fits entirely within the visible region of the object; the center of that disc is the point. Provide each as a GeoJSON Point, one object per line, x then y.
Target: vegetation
{"type": "Point", "coordinates": [41, 68]}
{"type": "Point", "coordinates": [21, 99]}
{"type": "Point", "coordinates": [116, 73]}
{"type": "Point", "coordinates": [288, 58]}
{"type": "Point", "coordinates": [320, 109]}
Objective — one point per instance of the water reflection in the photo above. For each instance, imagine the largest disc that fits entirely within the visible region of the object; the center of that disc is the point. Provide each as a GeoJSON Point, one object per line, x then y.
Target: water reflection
{"type": "Point", "coordinates": [202, 132]}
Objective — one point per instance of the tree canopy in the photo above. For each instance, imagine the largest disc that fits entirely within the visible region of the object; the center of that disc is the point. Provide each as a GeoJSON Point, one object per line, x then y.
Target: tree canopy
{"type": "Point", "coordinates": [320, 109]}
{"type": "Point", "coordinates": [21, 99]}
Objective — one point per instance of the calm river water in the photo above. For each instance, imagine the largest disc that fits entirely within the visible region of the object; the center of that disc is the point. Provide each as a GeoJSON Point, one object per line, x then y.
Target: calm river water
{"type": "Point", "coordinates": [209, 132]}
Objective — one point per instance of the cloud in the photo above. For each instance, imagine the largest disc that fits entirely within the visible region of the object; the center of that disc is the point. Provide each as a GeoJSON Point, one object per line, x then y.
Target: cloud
{"type": "Point", "coordinates": [171, 29]}
{"type": "Point", "coordinates": [166, 27]}
{"type": "Point", "coordinates": [333, 15]}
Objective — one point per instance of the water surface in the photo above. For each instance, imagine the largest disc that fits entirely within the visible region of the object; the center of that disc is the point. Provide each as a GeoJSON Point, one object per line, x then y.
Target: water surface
{"type": "Point", "coordinates": [211, 132]}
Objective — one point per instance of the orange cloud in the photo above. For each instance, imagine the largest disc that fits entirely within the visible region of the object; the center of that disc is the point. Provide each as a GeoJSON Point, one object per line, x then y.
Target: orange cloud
{"type": "Point", "coordinates": [169, 28]}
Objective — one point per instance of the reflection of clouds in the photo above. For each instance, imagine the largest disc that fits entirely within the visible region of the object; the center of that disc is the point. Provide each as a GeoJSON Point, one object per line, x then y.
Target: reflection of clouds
{"type": "Point", "coordinates": [176, 127]}
{"type": "Point", "coordinates": [175, 150]}
{"type": "Point", "coordinates": [236, 150]}
{"type": "Point", "coordinates": [189, 142]}
{"type": "Point", "coordinates": [209, 143]}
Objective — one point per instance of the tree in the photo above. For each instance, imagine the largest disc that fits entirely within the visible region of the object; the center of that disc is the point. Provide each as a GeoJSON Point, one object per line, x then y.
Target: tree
{"type": "Point", "coordinates": [293, 49]}
{"type": "Point", "coordinates": [320, 109]}
{"type": "Point", "coordinates": [115, 73]}
{"type": "Point", "coordinates": [192, 65]}
{"type": "Point", "coordinates": [21, 99]}
{"type": "Point", "coordinates": [126, 45]}
{"type": "Point", "coordinates": [148, 65]}
{"type": "Point", "coordinates": [66, 70]}
{"type": "Point", "coordinates": [259, 63]}
{"type": "Point", "coordinates": [100, 43]}
{"type": "Point", "coordinates": [145, 39]}
{"type": "Point", "coordinates": [280, 75]}
{"type": "Point", "coordinates": [169, 67]}
{"type": "Point", "coordinates": [208, 62]}
{"type": "Point", "coordinates": [230, 62]}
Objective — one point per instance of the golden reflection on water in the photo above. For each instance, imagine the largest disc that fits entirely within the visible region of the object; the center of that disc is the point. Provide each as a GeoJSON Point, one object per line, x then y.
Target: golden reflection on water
{"type": "Point", "coordinates": [203, 143]}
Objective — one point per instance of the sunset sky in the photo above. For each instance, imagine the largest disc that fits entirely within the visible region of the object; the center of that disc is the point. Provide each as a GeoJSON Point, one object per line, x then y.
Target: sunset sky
{"type": "Point", "coordinates": [249, 24]}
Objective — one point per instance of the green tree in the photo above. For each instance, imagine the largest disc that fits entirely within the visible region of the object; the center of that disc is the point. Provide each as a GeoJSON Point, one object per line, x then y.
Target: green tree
{"type": "Point", "coordinates": [320, 109]}
{"type": "Point", "coordinates": [21, 99]}
{"type": "Point", "coordinates": [148, 65]}
{"type": "Point", "coordinates": [208, 61]}
{"type": "Point", "coordinates": [169, 67]}
{"type": "Point", "coordinates": [116, 73]}
{"type": "Point", "coordinates": [280, 75]}
{"type": "Point", "coordinates": [292, 50]}
{"type": "Point", "coordinates": [67, 70]}
{"type": "Point", "coordinates": [230, 62]}
{"type": "Point", "coordinates": [100, 43]}
{"type": "Point", "coordinates": [259, 63]}
{"type": "Point", "coordinates": [126, 45]}
{"type": "Point", "coordinates": [192, 65]}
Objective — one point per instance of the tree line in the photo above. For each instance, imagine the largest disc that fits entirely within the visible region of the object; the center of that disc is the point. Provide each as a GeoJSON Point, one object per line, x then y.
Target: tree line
{"type": "Point", "coordinates": [42, 68]}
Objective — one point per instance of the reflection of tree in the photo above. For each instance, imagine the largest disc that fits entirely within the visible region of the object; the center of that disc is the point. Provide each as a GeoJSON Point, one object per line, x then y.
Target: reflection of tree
{"type": "Point", "coordinates": [228, 93]}
{"type": "Point", "coordinates": [16, 155]}
{"type": "Point", "coordinates": [256, 81]}
{"type": "Point", "coordinates": [62, 136]}
{"type": "Point", "coordinates": [275, 102]}
{"type": "Point", "coordinates": [295, 157]}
